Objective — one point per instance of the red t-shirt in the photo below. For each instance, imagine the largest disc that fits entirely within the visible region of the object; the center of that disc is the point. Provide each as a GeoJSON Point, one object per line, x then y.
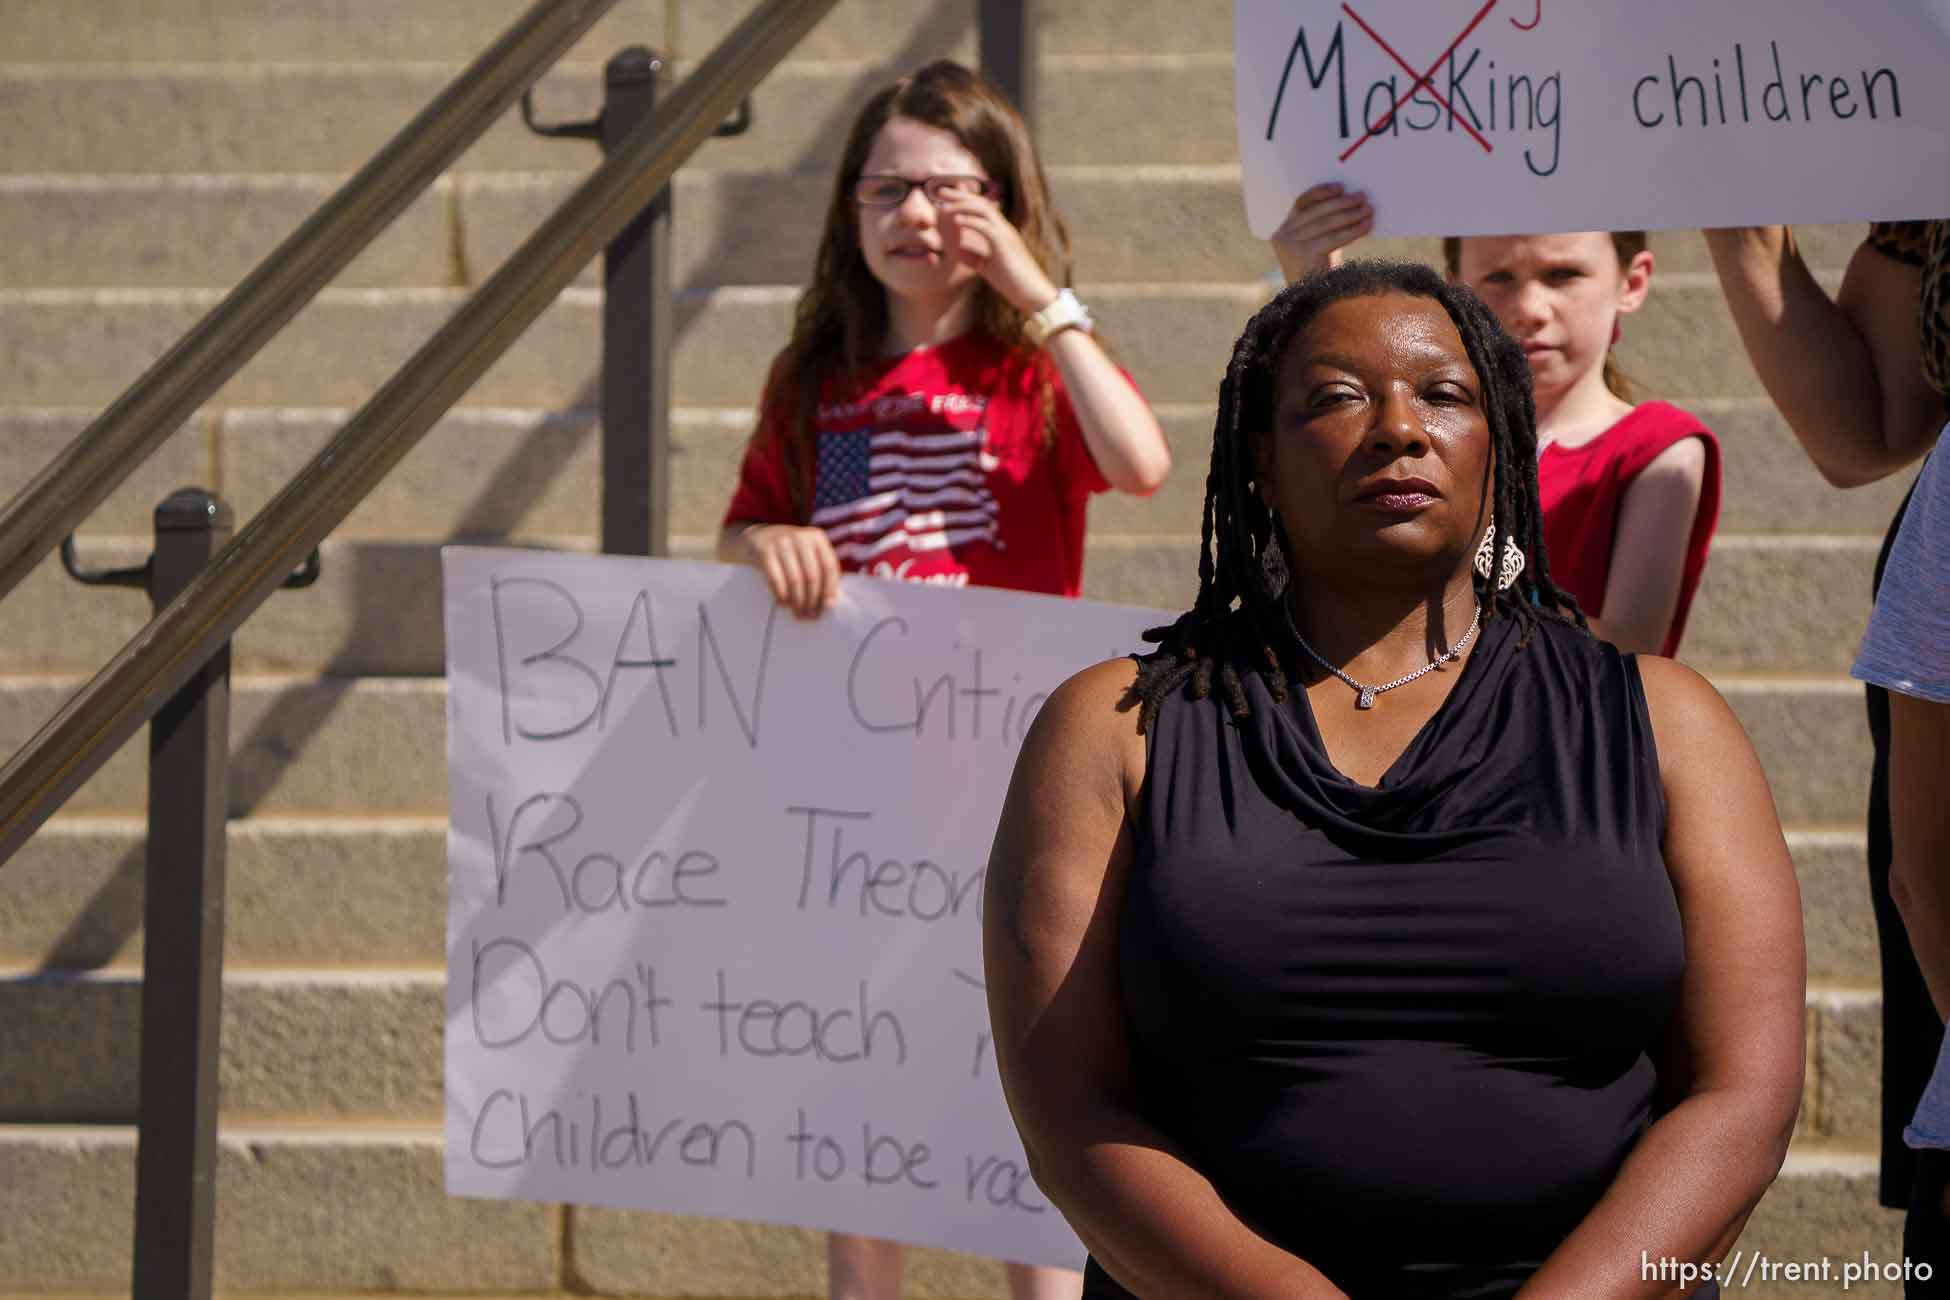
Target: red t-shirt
{"type": "Point", "coordinates": [1581, 489]}
{"type": "Point", "coordinates": [937, 470]}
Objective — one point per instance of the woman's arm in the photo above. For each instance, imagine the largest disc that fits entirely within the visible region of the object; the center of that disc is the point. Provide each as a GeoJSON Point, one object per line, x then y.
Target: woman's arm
{"type": "Point", "coordinates": [1735, 1044]}
{"type": "Point", "coordinates": [1846, 372]}
{"type": "Point", "coordinates": [1919, 832]}
{"type": "Point", "coordinates": [1648, 550]}
{"type": "Point", "coordinates": [1055, 886]}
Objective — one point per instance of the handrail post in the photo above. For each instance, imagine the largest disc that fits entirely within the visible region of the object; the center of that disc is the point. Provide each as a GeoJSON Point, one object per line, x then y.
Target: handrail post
{"type": "Point", "coordinates": [638, 330]}
{"type": "Point", "coordinates": [639, 323]}
{"type": "Point", "coordinates": [1006, 41]}
{"type": "Point", "coordinates": [182, 951]}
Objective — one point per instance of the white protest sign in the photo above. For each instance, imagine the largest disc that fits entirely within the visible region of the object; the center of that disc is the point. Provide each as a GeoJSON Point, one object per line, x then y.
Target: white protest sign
{"type": "Point", "coordinates": [1463, 117]}
{"type": "Point", "coordinates": [715, 878]}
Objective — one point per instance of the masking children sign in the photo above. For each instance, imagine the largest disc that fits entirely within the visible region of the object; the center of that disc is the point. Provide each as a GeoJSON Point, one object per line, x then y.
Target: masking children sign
{"type": "Point", "coordinates": [1462, 117]}
{"type": "Point", "coordinates": [715, 892]}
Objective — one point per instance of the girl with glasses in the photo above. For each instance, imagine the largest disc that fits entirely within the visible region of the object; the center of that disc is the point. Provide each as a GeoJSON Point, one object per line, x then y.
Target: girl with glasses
{"type": "Point", "coordinates": [942, 412]}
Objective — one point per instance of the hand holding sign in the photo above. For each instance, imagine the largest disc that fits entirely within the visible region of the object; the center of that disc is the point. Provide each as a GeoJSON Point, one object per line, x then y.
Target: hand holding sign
{"type": "Point", "coordinates": [1322, 222]}
{"type": "Point", "coordinates": [798, 564]}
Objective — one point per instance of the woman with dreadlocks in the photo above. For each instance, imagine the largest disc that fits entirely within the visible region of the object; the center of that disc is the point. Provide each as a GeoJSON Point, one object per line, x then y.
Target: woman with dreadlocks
{"type": "Point", "coordinates": [1384, 933]}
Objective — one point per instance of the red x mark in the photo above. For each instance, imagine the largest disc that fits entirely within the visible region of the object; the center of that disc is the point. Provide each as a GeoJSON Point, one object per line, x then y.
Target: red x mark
{"type": "Point", "coordinates": [1421, 81]}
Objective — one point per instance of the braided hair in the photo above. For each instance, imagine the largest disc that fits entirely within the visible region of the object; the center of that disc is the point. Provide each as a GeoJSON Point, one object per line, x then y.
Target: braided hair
{"type": "Point", "coordinates": [1236, 622]}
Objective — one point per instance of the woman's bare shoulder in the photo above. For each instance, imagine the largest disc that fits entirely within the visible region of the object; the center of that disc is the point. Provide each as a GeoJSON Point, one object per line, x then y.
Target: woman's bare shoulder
{"type": "Point", "coordinates": [1088, 723]}
{"type": "Point", "coordinates": [1679, 699]}
{"type": "Point", "coordinates": [1101, 684]}
{"type": "Point", "coordinates": [1698, 736]}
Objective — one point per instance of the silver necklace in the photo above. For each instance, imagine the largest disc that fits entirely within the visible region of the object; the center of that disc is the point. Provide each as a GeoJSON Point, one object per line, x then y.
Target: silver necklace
{"type": "Point", "coordinates": [1364, 694]}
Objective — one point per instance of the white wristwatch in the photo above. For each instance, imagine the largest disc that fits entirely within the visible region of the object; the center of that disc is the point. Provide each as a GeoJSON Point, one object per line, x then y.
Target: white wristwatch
{"type": "Point", "coordinates": [1065, 313]}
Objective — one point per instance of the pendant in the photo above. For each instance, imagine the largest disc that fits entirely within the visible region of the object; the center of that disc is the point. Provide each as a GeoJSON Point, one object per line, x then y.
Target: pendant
{"type": "Point", "coordinates": [1365, 700]}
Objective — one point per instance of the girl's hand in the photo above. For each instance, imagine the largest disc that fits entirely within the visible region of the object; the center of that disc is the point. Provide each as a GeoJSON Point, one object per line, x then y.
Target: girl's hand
{"type": "Point", "coordinates": [979, 235]}
{"type": "Point", "coordinates": [798, 563]}
{"type": "Point", "coordinates": [1323, 221]}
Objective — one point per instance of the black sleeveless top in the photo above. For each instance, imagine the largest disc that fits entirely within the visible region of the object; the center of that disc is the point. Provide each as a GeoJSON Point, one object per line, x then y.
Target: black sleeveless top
{"type": "Point", "coordinates": [1405, 1029]}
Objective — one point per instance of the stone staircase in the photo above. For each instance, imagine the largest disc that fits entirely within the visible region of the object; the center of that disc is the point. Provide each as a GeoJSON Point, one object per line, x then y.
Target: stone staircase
{"type": "Point", "coordinates": [156, 148]}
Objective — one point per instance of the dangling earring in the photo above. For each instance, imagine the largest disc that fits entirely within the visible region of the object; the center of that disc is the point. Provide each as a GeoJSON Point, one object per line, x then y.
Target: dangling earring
{"type": "Point", "coordinates": [1272, 560]}
{"type": "Point", "coordinates": [1513, 561]}
{"type": "Point", "coordinates": [1617, 329]}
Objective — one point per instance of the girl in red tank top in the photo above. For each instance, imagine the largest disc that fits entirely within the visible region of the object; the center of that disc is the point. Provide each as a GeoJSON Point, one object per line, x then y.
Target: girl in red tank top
{"type": "Point", "coordinates": [1630, 493]}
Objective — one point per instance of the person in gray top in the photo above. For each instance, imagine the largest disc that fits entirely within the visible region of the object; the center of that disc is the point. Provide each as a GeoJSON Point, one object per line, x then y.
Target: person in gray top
{"type": "Point", "coordinates": [1862, 379]}
{"type": "Point", "coordinates": [1907, 652]}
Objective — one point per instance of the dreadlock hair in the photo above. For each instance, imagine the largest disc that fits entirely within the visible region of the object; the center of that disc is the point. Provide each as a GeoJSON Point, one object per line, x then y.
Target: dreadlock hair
{"type": "Point", "coordinates": [1236, 621]}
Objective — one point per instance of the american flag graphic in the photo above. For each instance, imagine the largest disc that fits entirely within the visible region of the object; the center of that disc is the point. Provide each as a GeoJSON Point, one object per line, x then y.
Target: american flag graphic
{"type": "Point", "coordinates": [879, 491]}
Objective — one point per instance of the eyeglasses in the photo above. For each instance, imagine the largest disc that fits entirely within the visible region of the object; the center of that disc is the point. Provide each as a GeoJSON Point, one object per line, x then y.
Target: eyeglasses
{"type": "Point", "coordinates": [892, 191]}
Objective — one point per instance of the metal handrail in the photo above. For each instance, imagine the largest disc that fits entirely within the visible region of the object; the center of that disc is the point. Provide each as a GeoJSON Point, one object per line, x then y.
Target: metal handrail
{"type": "Point", "coordinates": [162, 656]}
{"type": "Point", "coordinates": [169, 392]}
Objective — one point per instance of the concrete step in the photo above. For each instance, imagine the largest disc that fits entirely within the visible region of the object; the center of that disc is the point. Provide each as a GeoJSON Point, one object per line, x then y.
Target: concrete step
{"type": "Point", "coordinates": [377, 745]}
{"type": "Point", "coordinates": [331, 117]}
{"type": "Point", "coordinates": [1782, 603]}
{"type": "Point", "coordinates": [1769, 487]}
{"type": "Point", "coordinates": [1812, 740]}
{"type": "Point", "coordinates": [1166, 223]}
{"type": "Point", "coordinates": [81, 347]}
{"type": "Point", "coordinates": [481, 472]}
{"type": "Point", "coordinates": [201, 231]}
{"type": "Point", "coordinates": [364, 1045]}
{"type": "Point", "coordinates": [49, 31]}
{"type": "Point", "coordinates": [72, 898]}
{"type": "Point", "coordinates": [312, 1045]}
{"type": "Point", "coordinates": [298, 1210]}
{"type": "Point", "coordinates": [497, 472]}
{"type": "Point", "coordinates": [31, 439]}
{"type": "Point", "coordinates": [859, 27]}
{"type": "Point", "coordinates": [1822, 1207]}
{"type": "Point", "coordinates": [1769, 603]}
{"type": "Point", "coordinates": [1086, 105]}
{"type": "Point", "coordinates": [183, 31]}
{"type": "Point", "coordinates": [1832, 868]}
{"type": "Point", "coordinates": [345, 626]}
{"type": "Point", "coordinates": [325, 1210]}
{"type": "Point", "coordinates": [1846, 1082]}
{"type": "Point", "coordinates": [1158, 222]}
{"type": "Point", "coordinates": [371, 747]}
{"type": "Point", "coordinates": [1162, 223]}
{"type": "Point", "coordinates": [347, 1210]}
{"type": "Point", "coordinates": [1170, 223]}
{"type": "Point", "coordinates": [1682, 341]}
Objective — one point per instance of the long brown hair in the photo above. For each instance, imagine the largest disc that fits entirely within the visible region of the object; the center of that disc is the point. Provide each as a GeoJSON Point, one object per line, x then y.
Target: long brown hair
{"type": "Point", "coordinates": [1627, 244]}
{"type": "Point", "coordinates": [841, 320]}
